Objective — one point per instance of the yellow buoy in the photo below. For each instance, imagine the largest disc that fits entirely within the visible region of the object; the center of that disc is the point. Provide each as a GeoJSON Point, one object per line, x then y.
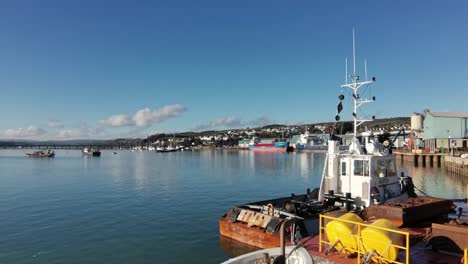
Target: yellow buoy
{"type": "Point", "coordinates": [380, 241]}
{"type": "Point", "coordinates": [344, 232]}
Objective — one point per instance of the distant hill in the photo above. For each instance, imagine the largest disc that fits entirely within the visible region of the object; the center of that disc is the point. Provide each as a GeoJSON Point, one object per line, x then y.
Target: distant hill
{"type": "Point", "coordinates": [347, 126]}
{"type": "Point", "coordinates": [76, 142]}
{"type": "Point", "coordinates": [273, 126]}
{"type": "Point", "coordinates": [339, 127]}
{"type": "Point", "coordinates": [377, 123]}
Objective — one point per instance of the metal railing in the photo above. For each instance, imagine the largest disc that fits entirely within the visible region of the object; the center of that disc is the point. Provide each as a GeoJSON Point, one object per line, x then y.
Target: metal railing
{"type": "Point", "coordinates": [361, 249]}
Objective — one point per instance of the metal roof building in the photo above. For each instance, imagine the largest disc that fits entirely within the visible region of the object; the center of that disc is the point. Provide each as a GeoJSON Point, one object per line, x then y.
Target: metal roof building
{"type": "Point", "coordinates": [440, 126]}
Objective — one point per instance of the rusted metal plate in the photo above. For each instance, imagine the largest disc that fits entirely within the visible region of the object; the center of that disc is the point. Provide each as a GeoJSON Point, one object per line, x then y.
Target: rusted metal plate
{"type": "Point", "coordinates": [394, 214]}
{"type": "Point", "coordinates": [254, 236]}
{"type": "Point", "coordinates": [410, 211]}
{"type": "Point", "coordinates": [259, 219]}
{"type": "Point", "coordinates": [245, 215]}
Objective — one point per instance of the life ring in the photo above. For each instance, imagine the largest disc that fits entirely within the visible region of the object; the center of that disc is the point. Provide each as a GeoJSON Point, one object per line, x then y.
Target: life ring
{"type": "Point", "coordinates": [271, 208]}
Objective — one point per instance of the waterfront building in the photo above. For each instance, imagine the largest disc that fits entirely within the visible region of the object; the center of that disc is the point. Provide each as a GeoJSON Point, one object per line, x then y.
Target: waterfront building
{"type": "Point", "coordinates": [445, 130]}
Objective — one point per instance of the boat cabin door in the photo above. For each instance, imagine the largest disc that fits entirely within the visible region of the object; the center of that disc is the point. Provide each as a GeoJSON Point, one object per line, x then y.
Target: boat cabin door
{"type": "Point", "coordinates": [354, 178]}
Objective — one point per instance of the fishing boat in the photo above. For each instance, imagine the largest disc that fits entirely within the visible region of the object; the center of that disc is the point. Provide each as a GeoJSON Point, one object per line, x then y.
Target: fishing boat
{"type": "Point", "coordinates": [41, 154]}
{"type": "Point", "coordinates": [89, 151]}
{"type": "Point", "coordinates": [307, 142]}
{"type": "Point", "coordinates": [362, 179]}
{"type": "Point", "coordinates": [166, 149]}
{"type": "Point", "coordinates": [317, 143]}
{"type": "Point", "coordinates": [269, 145]}
{"type": "Point", "coordinates": [172, 147]}
{"type": "Point", "coordinates": [311, 148]}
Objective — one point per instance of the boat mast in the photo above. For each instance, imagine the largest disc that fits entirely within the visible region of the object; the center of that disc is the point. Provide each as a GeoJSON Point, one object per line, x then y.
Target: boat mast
{"type": "Point", "coordinates": [355, 85]}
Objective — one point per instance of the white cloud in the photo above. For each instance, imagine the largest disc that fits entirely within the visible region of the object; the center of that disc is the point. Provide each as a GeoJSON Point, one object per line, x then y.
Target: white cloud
{"type": "Point", "coordinates": [167, 112]}
{"type": "Point", "coordinates": [229, 121]}
{"type": "Point", "coordinates": [145, 117]}
{"type": "Point", "coordinates": [31, 131]}
{"type": "Point", "coordinates": [53, 123]}
{"type": "Point", "coordinates": [117, 121]}
{"type": "Point", "coordinates": [70, 133]}
{"type": "Point", "coordinates": [84, 131]}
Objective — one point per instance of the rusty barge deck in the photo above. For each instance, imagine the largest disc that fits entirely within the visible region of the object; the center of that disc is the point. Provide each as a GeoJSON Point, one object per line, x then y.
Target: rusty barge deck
{"type": "Point", "coordinates": [419, 254]}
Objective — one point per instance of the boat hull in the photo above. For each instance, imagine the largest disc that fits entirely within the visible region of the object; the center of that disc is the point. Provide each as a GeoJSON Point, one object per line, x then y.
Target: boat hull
{"type": "Point", "coordinates": [254, 236]}
{"type": "Point", "coordinates": [297, 255]}
{"type": "Point", "coordinates": [41, 154]}
{"type": "Point", "coordinates": [270, 147]}
{"type": "Point", "coordinates": [255, 224]}
{"type": "Point", "coordinates": [92, 153]}
{"type": "Point", "coordinates": [166, 150]}
{"type": "Point", "coordinates": [317, 148]}
{"type": "Point", "coordinates": [266, 237]}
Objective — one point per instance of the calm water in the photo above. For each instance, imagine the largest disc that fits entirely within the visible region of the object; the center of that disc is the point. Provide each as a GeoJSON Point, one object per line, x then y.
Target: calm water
{"type": "Point", "coordinates": [148, 207]}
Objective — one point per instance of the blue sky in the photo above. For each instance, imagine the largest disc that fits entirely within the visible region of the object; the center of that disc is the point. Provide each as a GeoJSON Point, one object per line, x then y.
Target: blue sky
{"type": "Point", "coordinates": [107, 69]}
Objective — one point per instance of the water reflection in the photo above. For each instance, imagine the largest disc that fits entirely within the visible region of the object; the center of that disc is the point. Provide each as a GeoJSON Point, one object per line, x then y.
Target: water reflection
{"type": "Point", "coordinates": [155, 200]}
{"type": "Point", "coordinates": [139, 169]}
{"type": "Point", "coordinates": [233, 247]}
{"type": "Point", "coordinates": [435, 181]}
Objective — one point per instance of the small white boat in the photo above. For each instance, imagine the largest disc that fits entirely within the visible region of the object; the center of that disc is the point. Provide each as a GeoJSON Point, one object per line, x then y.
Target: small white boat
{"type": "Point", "coordinates": [88, 151]}
{"type": "Point", "coordinates": [294, 255]}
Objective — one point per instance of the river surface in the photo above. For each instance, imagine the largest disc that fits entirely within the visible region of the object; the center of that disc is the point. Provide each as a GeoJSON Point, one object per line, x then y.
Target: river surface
{"type": "Point", "coordinates": [148, 207]}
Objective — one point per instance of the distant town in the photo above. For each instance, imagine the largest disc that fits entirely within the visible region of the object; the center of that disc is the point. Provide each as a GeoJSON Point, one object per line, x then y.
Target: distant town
{"type": "Point", "coordinates": [428, 131]}
{"type": "Point", "coordinates": [222, 138]}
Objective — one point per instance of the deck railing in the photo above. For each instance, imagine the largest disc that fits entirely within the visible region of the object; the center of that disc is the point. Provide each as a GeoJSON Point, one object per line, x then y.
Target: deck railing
{"type": "Point", "coordinates": [361, 249]}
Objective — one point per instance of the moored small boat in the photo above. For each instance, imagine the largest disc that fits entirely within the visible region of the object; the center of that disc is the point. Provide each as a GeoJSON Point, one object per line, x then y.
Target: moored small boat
{"type": "Point", "coordinates": [317, 143]}
{"type": "Point", "coordinates": [88, 151]}
{"type": "Point", "coordinates": [166, 149]}
{"type": "Point", "coordinates": [41, 154]}
{"type": "Point", "coordinates": [311, 148]}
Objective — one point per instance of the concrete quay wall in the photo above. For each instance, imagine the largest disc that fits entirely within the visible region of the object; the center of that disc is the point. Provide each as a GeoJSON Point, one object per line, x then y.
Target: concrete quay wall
{"type": "Point", "coordinates": [456, 165]}
{"type": "Point", "coordinates": [421, 159]}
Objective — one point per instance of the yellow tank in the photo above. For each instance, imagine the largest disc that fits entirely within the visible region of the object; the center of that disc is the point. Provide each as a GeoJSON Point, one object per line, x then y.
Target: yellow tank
{"type": "Point", "coordinates": [383, 242]}
{"type": "Point", "coordinates": [343, 231]}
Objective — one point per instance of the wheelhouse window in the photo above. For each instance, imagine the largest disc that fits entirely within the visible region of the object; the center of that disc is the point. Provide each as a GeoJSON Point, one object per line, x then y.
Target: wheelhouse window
{"type": "Point", "coordinates": [361, 168]}
{"type": "Point", "coordinates": [385, 168]}
{"type": "Point", "coordinates": [366, 168]}
{"type": "Point", "coordinates": [381, 169]}
{"type": "Point", "coordinates": [343, 168]}
{"type": "Point", "coordinates": [391, 169]}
